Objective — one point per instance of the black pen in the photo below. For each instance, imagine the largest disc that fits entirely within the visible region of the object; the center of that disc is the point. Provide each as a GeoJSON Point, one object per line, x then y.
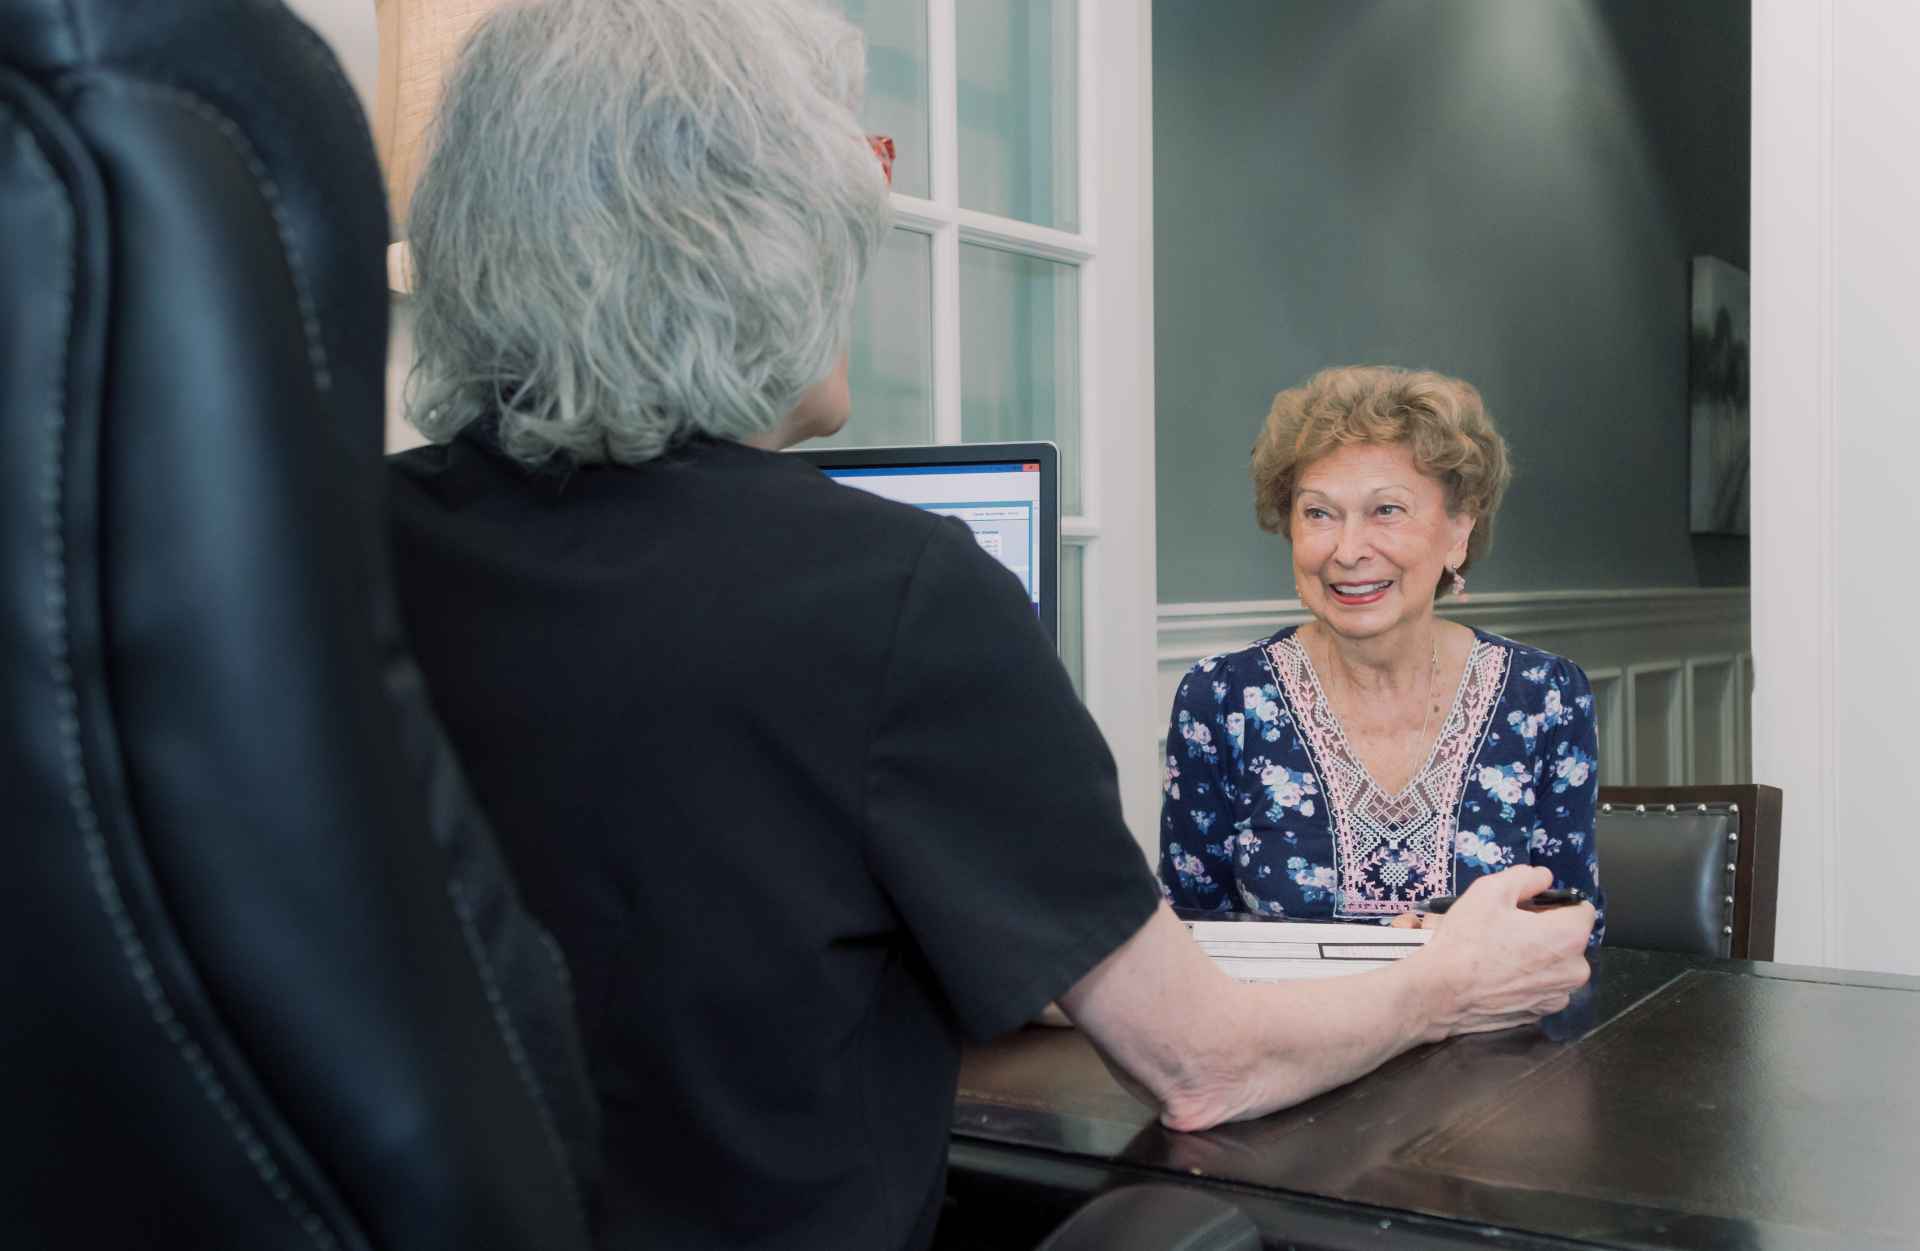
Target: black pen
{"type": "Point", "coordinates": [1539, 903]}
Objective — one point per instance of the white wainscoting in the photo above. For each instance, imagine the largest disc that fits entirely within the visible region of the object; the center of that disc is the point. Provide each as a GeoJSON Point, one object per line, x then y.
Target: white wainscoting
{"type": "Point", "coordinates": [1672, 668]}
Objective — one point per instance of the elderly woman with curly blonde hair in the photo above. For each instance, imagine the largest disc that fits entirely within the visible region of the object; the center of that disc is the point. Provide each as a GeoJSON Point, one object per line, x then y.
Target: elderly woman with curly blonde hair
{"type": "Point", "coordinates": [1378, 756]}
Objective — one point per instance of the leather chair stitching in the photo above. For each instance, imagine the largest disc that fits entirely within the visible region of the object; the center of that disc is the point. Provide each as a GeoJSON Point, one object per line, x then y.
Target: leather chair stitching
{"type": "Point", "coordinates": [250, 1141]}
{"type": "Point", "coordinates": [99, 862]}
{"type": "Point", "coordinates": [552, 949]}
{"type": "Point", "coordinates": [78, 33]}
{"type": "Point", "coordinates": [310, 323]}
{"type": "Point", "coordinates": [270, 194]}
{"type": "Point", "coordinates": [503, 1021]}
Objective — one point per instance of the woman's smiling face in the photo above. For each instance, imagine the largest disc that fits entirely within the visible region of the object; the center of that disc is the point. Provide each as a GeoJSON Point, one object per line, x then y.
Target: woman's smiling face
{"type": "Point", "coordinates": [1372, 538]}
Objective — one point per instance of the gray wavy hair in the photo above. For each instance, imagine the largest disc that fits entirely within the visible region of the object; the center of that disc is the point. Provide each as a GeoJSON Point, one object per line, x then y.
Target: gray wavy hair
{"type": "Point", "coordinates": [641, 220]}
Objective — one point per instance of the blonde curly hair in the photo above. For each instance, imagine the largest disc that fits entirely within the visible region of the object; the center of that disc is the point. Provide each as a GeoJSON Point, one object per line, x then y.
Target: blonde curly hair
{"type": "Point", "coordinates": [1441, 419]}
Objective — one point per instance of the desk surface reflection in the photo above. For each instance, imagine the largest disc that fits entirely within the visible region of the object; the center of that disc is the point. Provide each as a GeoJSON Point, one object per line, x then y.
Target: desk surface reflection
{"type": "Point", "coordinates": [1682, 1103]}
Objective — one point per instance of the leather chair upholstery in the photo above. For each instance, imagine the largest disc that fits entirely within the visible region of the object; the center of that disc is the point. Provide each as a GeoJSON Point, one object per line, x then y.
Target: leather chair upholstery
{"type": "Point", "coordinates": [266, 984]}
{"type": "Point", "coordinates": [1156, 1218]}
{"type": "Point", "coordinates": [1694, 869]}
{"type": "Point", "coordinates": [1669, 877]}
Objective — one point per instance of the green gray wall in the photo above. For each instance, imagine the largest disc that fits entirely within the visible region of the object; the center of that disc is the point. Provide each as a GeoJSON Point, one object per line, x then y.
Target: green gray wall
{"type": "Point", "coordinates": [1505, 190]}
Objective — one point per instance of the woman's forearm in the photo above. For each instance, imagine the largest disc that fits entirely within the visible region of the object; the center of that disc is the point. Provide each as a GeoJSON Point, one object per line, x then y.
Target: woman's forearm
{"type": "Point", "coordinates": [1307, 1037]}
{"type": "Point", "coordinates": [1207, 1049]}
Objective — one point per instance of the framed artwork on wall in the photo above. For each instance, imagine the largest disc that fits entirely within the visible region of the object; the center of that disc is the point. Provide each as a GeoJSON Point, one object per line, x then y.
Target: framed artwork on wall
{"type": "Point", "coordinates": [1717, 374]}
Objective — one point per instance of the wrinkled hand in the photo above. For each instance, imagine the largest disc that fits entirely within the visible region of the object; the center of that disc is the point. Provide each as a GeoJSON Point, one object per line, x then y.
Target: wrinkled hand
{"type": "Point", "coordinates": [1497, 966]}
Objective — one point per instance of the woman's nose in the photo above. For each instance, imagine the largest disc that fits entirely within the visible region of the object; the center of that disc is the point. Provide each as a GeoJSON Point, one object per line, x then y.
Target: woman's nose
{"type": "Point", "coordinates": [1354, 543]}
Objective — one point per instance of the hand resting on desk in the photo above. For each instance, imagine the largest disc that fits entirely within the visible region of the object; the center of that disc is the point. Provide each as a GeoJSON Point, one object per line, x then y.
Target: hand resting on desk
{"type": "Point", "coordinates": [1205, 1049]}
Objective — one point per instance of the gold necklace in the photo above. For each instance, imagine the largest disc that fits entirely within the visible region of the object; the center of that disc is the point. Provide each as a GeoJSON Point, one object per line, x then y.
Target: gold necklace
{"type": "Point", "coordinates": [1429, 707]}
{"type": "Point", "coordinates": [1420, 744]}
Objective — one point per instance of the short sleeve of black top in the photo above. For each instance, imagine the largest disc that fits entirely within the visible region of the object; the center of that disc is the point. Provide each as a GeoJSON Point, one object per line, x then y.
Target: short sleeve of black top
{"type": "Point", "coordinates": [796, 780]}
{"type": "Point", "coordinates": [977, 706]}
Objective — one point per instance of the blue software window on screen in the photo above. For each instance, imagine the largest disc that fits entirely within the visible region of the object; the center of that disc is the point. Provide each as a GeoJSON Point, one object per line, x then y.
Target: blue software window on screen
{"type": "Point", "coordinates": [999, 502]}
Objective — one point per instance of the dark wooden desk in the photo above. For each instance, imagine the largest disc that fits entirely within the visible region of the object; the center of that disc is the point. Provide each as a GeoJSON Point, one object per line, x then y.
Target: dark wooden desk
{"type": "Point", "coordinates": [1682, 1103]}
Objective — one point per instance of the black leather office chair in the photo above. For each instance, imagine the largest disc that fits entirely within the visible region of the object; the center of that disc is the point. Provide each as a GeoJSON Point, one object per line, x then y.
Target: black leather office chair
{"type": "Point", "coordinates": [264, 984]}
{"type": "Point", "coordinates": [1691, 869]}
{"type": "Point", "coordinates": [1156, 1218]}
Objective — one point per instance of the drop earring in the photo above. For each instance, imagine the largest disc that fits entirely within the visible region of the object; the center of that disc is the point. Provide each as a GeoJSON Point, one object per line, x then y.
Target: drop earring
{"type": "Point", "coordinates": [1459, 583]}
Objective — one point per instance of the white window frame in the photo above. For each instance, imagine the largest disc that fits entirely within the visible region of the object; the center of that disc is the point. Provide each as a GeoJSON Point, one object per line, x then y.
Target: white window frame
{"type": "Point", "coordinates": [1113, 252]}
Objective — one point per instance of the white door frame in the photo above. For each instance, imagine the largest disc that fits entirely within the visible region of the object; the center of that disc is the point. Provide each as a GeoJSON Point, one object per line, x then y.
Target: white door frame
{"type": "Point", "coordinates": [1113, 251]}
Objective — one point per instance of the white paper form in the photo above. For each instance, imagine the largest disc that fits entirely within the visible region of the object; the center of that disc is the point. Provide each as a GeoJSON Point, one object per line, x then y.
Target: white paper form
{"type": "Point", "coordinates": [1282, 951]}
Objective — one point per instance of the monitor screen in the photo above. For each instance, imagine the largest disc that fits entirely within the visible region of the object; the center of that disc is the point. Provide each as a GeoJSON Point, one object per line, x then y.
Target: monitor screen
{"type": "Point", "coordinates": [1005, 493]}
{"type": "Point", "coordinates": [999, 502]}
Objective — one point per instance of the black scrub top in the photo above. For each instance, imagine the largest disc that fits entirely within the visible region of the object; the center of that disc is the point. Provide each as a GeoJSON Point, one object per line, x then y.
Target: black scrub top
{"type": "Point", "coordinates": [800, 787]}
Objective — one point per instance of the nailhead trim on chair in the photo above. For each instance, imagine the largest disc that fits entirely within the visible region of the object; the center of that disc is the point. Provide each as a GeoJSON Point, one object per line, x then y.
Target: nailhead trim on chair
{"type": "Point", "coordinates": [1733, 836]}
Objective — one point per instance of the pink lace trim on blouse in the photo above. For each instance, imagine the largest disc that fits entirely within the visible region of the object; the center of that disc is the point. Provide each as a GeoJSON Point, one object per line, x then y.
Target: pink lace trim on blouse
{"type": "Point", "coordinates": [1391, 851]}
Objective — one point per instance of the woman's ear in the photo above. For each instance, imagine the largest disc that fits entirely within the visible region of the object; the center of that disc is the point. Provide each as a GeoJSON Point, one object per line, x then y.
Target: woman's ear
{"type": "Point", "coordinates": [1462, 531]}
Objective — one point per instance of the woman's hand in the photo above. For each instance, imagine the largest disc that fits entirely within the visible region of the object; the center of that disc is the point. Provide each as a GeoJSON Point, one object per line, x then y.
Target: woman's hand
{"type": "Point", "coordinates": [1499, 966]}
{"type": "Point", "coordinates": [1416, 921]}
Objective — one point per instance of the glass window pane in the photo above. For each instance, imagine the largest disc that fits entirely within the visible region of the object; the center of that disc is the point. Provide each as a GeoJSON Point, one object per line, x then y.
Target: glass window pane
{"type": "Point", "coordinates": [1020, 354]}
{"type": "Point", "coordinates": [1017, 126]}
{"type": "Point", "coordinates": [890, 365]}
{"type": "Point", "coordinates": [896, 32]}
{"type": "Point", "coordinates": [1073, 616]}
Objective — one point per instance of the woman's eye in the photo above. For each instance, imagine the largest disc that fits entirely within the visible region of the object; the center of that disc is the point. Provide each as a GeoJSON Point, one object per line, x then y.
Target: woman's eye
{"type": "Point", "coordinates": [1387, 510]}
{"type": "Point", "coordinates": [1314, 514]}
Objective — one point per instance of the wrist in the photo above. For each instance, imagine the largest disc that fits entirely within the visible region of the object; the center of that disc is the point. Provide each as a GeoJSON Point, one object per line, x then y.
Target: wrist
{"type": "Point", "coordinates": [1427, 998]}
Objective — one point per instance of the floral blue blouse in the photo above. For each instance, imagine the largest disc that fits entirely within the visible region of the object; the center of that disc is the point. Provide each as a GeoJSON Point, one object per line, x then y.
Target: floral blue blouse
{"type": "Point", "coordinates": [1266, 809]}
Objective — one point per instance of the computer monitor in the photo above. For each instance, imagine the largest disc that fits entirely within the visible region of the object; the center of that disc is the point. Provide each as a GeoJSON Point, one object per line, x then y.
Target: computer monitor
{"type": "Point", "coordinates": [1007, 493]}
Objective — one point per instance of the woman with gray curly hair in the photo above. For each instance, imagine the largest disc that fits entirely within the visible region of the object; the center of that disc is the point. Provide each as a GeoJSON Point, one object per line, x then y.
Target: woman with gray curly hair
{"type": "Point", "coordinates": [615, 256]}
{"type": "Point", "coordinates": [790, 771]}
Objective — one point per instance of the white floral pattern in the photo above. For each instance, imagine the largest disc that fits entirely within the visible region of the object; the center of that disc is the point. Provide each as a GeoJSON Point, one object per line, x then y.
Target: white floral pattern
{"type": "Point", "coordinates": [1247, 818]}
{"type": "Point", "coordinates": [1392, 850]}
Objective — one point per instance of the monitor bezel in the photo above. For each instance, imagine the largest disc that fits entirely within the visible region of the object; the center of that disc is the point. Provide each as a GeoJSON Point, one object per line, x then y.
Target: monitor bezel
{"type": "Point", "coordinates": [935, 455]}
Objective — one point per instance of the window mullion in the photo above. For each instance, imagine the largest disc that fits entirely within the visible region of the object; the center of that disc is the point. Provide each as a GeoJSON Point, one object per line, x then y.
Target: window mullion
{"type": "Point", "coordinates": [920, 216]}
{"type": "Point", "coordinates": [1087, 165]}
{"type": "Point", "coordinates": [1011, 235]}
{"type": "Point", "coordinates": [1086, 90]}
{"type": "Point", "coordinates": [946, 334]}
{"type": "Point", "coordinates": [943, 107]}
{"type": "Point", "coordinates": [943, 103]}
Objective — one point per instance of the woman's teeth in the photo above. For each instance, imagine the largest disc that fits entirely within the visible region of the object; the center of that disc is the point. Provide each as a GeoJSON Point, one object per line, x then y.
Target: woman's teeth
{"type": "Point", "coordinates": [1360, 588]}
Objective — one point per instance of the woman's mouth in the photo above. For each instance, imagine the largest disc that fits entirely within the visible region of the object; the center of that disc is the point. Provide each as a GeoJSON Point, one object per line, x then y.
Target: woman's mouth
{"type": "Point", "coordinates": [1355, 594]}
